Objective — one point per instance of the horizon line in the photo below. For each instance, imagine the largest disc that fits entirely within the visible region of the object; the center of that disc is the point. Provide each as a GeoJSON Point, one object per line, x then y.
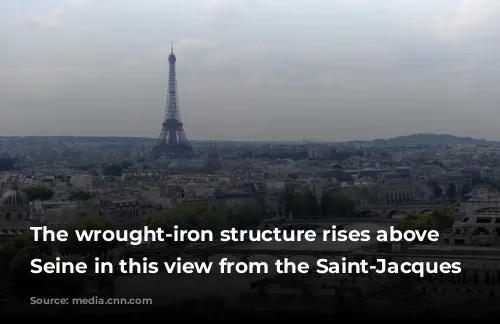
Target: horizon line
{"type": "Point", "coordinates": [263, 140]}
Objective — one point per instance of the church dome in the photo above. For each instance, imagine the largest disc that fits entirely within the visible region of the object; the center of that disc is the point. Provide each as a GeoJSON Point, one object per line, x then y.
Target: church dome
{"type": "Point", "coordinates": [14, 198]}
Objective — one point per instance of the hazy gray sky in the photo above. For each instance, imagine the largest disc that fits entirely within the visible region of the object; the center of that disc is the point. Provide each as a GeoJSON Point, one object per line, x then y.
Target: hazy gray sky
{"type": "Point", "coordinates": [251, 69]}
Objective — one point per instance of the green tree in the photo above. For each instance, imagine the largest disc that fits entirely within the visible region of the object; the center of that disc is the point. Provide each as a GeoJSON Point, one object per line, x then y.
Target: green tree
{"type": "Point", "coordinates": [466, 189]}
{"type": "Point", "coordinates": [451, 192]}
{"type": "Point", "coordinates": [485, 186]}
{"type": "Point", "coordinates": [443, 218]}
{"type": "Point", "coordinates": [68, 284]}
{"type": "Point", "coordinates": [299, 205]}
{"type": "Point", "coordinates": [339, 175]}
{"type": "Point", "coordinates": [166, 221]}
{"type": "Point", "coordinates": [158, 220]}
{"type": "Point", "coordinates": [311, 206]}
{"type": "Point", "coordinates": [296, 202]}
{"type": "Point", "coordinates": [113, 170]}
{"type": "Point", "coordinates": [289, 199]}
{"type": "Point", "coordinates": [90, 249]}
{"type": "Point", "coordinates": [38, 193]}
{"type": "Point", "coordinates": [337, 205]}
{"type": "Point", "coordinates": [437, 190]}
{"type": "Point", "coordinates": [325, 205]}
{"type": "Point", "coordinates": [440, 219]}
{"type": "Point", "coordinates": [125, 165]}
{"type": "Point", "coordinates": [25, 284]}
{"type": "Point", "coordinates": [244, 217]}
{"type": "Point", "coordinates": [17, 244]}
{"type": "Point", "coordinates": [189, 217]}
{"type": "Point", "coordinates": [7, 164]}
{"type": "Point", "coordinates": [211, 217]}
{"type": "Point", "coordinates": [130, 177]}
{"type": "Point", "coordinates": [419, 222]}
{"type": "Point", "coordinates": [206, 217]}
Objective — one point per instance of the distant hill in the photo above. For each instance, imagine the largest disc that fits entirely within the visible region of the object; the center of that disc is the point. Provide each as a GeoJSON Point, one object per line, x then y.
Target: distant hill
{"type": "Point", "coordinates": [427, 140]}
{"type": "Point", "coordinates": [414, 140]}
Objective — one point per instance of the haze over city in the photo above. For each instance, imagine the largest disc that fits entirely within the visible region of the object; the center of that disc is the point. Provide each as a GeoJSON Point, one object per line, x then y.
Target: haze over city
{"type": "Point", "coordinates": [251, 70]}
{"type": "Point", "coordinates": [297, 159]}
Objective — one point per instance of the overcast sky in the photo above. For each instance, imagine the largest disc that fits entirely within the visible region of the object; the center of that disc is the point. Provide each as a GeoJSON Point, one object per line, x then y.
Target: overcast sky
{"type": "Point", "coordinates": [251, 69]}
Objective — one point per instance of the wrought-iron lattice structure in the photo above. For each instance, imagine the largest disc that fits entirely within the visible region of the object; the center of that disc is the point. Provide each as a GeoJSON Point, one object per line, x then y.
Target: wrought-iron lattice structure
{"type": "Point", "coordinates": [172, 141]}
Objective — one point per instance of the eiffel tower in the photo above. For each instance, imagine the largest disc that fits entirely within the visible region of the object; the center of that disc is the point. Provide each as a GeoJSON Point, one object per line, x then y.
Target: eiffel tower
{"type": "Point", "coordinates": [172, 141]}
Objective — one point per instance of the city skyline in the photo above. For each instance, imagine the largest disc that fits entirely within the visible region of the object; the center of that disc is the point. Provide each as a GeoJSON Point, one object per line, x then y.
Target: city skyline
{"type": "Point", "coordinates": [251, 70]}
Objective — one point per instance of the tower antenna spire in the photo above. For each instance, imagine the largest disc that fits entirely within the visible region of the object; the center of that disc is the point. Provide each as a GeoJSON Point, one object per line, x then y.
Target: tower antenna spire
{"type": "Point", "coordinates": [172, 47]}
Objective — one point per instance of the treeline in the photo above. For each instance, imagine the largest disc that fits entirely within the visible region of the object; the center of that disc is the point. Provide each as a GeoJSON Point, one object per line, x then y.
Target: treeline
{"type": "Point", "coordinates": [7, 164]}
{"type": "Point", "coordinates": [305, 204]}
{"type": "Point", "coordinates": [38, 192]}
{"type": "Point", "coordinates": [116, 170]}
{"type": "Point", "coordinates": [440, 219]}
{"type": "Point", "coordinates": [208, 217]}
{"type": "Point", "coordinates": [16, 256]}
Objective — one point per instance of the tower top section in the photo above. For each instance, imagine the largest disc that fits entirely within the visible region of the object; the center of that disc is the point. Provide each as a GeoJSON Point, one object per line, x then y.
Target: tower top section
{"type": "Point", "coordinates": [171, 57]}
